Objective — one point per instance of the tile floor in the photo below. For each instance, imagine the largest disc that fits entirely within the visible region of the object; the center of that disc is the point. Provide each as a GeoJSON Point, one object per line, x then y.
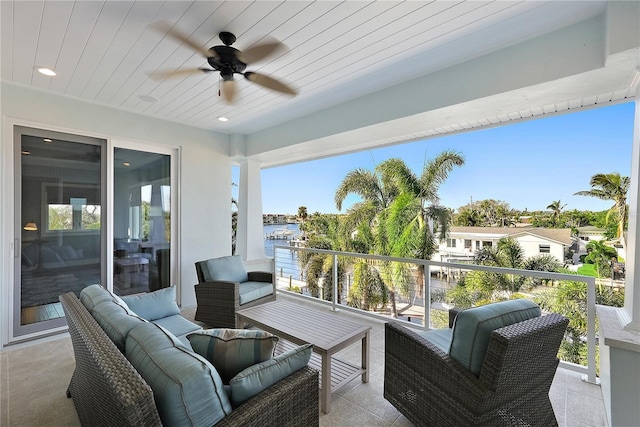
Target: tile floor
{"type": "Point", "coordinates": [34, 378]}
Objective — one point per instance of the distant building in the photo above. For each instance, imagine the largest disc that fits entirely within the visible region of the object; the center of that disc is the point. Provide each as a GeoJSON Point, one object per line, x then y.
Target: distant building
{"type": "Point", "coordinates": [464, 241]}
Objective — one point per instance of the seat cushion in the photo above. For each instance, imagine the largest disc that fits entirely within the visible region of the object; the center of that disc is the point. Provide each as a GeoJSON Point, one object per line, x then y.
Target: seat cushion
{"type": "Point", "coordinates": [251, 291]}
{"type": "Point", "coordinates": [228, 268]}
{"type": "Point", "coordinates": [472, 329]}
{"type": "Point", "coordinates": [154, 305]}
{"type": "Point", "coordinates": [232, 350]}
{"type": "Point", "coordinates": [187, 389]}
{"type": "Point", "coordinates": [257, 378]}
{"type": "Point", "coordinates": [179, 327]}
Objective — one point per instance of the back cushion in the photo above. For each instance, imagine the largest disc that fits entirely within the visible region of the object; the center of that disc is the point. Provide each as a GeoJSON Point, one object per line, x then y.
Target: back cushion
{"type": "Point", "coordinates": [116, 321]}
{"type": "Point", "coordinates": [472, 329]}
{"type": "Point", "coordinates": [187, 389]}
{"type": "Point", "coordinates": [93, 295]}
{"type": "Point", "coordinates": [154, 305]}
{"type": "Point", "coordinates": [228, 268]}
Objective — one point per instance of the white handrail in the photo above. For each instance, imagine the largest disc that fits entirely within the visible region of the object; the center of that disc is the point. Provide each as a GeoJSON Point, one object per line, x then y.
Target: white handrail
{"type": "Point", "coordinates": [589, 371]}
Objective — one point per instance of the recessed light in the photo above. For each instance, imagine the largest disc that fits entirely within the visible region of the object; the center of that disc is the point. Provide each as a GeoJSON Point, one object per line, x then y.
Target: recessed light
{"type": "Point", "coordinates": [126, 164]}
{"type": "Point", "coordinates": [147, 98]}
{"type": "Point", "coordinates": [25, 152]}
{"type": "Point", "coordinates": [47, 140]}
{"type": "Point", "coordinates": [46, 71]}
{"type": "Point", "coordinates": [223, 119]}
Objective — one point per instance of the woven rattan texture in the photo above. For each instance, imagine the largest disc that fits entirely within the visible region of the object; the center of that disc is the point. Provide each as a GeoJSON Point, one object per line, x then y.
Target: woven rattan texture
{"type": "Point", "coordinates": [430, 388]}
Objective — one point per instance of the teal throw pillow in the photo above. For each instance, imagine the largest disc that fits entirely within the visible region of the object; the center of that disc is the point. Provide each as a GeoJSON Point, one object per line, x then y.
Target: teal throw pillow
{"type": "Point", "coordinates": [232, 350]}
{"type": "Point", "coordinates": [259, 377]}
{"type": "Point", "coordinates": [154, 305]}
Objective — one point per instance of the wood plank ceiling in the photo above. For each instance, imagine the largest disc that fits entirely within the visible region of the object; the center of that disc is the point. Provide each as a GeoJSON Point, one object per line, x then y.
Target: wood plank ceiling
{"type": "Point", "coordinates": [103, 51]}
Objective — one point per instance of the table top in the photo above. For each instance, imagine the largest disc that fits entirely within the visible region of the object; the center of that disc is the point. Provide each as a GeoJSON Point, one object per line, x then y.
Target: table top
{"type": "Point", "coordinates": [327, 331]}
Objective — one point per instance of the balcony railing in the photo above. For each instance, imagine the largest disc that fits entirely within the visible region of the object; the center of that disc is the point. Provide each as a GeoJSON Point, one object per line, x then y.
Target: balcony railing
{"type": "Point", "coordinates": [417, 288]}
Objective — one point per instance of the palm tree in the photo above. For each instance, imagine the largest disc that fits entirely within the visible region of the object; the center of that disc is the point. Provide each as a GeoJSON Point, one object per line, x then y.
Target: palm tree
{"type": "Point", "coordinates": [601, 256]}
{"type": "Point", "coordinates": [302, 213]}
{"type": "Point", "coordinates": [398, 211]}
{"type": "Point", "coordinates": [481, 286]}
{"type": "Point", "coordinates": [415, 221]}
{"type": "Point", "coordinates": [556, 207]}
{"type": "Point", "coordinates": [611, 186]}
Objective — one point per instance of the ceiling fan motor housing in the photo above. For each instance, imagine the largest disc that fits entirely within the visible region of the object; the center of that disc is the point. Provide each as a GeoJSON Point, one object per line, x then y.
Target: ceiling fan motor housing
{"type": "Point", "coordinates": [226, 60]}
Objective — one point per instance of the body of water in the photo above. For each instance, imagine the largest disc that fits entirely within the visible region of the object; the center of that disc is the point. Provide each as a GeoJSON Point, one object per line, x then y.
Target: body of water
{"type": "Point", "coordinates": [270, 229]}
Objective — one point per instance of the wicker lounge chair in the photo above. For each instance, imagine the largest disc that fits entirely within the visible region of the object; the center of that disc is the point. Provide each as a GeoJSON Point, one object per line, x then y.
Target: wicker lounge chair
{"type": "Point", "coordinates": [430, 388]}
{"type": "Point", "coordinates": [224, 286]}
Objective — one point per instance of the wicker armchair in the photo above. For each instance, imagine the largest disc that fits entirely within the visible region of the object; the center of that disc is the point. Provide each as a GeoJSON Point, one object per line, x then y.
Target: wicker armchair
{"type": "Point", "coordinates": [224, 286]}
{"type": "Point", "coordinates": [512, 389]}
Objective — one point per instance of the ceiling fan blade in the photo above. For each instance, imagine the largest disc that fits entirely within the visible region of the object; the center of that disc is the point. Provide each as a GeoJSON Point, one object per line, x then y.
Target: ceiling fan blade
{"type": "Point", "coordinates": [229, 90]}
{"type": "Point", "coordinates": [261, 51]}
{"type": "Point", "coordinates": [270, 83]}
{"type": "Point", "coordinates": [163, 74]}
{"type": "Point", "coordinates": [164, 27]}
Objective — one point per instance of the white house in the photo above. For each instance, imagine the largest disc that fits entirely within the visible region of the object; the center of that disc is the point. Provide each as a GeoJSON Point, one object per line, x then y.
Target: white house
{"type": "Point", "coordinates": [464, 241]}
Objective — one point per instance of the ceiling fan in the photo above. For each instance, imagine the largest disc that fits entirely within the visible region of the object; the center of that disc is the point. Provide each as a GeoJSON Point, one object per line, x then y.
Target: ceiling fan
{"type": "Point", "coordinates": [228, 61]}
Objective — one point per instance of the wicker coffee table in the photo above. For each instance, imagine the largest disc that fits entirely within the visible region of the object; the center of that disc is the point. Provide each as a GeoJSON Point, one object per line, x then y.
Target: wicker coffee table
{"type": "Point", "coordinates": [328, 333]}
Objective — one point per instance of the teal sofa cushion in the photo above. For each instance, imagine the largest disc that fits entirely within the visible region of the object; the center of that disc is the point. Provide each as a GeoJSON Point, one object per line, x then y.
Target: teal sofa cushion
{"type": "Point", "coordinates": [178, 326]}
{"type": "Point", "coordinates": [116, 321]}
{"type": "Point", "coordinates": [472, 329]}
{"type": "Point", "coordinates": [154, 305]}
{"type": "Point", "coordinates": [95, 294]}
{"type": "Point", "coordinates": [251, 291]}
{"type": "Point", "coordinates": [232, 350]}
{"type": "Point", "coordinates": [440, 337]}
{"type": "Point", "coordinates": [187, 389]}
{"type": "Point", "coordinates": [228, 268]}
{"type": "Point", "coordinates": [257, 378]}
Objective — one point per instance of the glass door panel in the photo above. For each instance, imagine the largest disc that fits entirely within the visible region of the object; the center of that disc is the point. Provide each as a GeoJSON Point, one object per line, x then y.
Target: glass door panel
{"type": "Point", "coordinates": [58, 223]}
{"type": "Point", "coordinates": [142, 221]}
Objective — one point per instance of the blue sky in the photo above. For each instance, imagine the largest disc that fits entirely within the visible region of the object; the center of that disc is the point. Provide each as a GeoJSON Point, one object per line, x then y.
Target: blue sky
{"type": "Point", "coordinates": [528, 164]}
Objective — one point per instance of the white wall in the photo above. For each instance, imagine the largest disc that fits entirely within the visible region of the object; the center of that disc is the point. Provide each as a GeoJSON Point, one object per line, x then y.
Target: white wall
{"type": "Point", "coordinates": [204, 174]}
{"type": "Point", "coordinates": [531, 246]}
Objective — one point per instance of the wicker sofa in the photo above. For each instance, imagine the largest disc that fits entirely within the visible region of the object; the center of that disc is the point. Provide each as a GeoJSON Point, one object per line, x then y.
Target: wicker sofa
{"type": "Point", "coordinates": [108, 390]}
{"type": "Point", "coordinates": [477, 373]}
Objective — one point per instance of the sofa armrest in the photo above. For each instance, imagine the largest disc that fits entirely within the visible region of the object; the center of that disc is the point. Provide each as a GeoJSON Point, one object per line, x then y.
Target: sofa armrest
{"type": "Point", "coordinates": [260, 276]}
{"type": "Point", "coordinates": [291, 402]}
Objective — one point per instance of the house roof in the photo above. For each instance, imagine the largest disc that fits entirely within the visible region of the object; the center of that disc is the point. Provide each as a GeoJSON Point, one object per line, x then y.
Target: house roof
{"type": "Point", "coordinates": [557, 235]}
{"type": "Point", "coordinates": [368, 73]}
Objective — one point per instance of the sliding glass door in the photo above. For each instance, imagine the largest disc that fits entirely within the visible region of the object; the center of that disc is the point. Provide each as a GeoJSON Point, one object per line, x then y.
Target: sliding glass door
{"type": "Point", "coordinates": [142, 221]}
{"type": "Point", "coordinates": [59, 224]}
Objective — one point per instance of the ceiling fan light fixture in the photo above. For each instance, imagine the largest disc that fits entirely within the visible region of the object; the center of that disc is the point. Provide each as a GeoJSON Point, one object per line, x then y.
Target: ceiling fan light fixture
{"type": "Point", "coordinates": [46, 71]}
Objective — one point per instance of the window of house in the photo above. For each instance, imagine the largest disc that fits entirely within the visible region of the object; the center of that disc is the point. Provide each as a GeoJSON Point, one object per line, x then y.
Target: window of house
{"type": "Point", "coordinates": [544, 249]}
{"type": "Point", "coordinates": [467, 244]}
{"type": "Point", "coordinates": [487, 243]}
{"type": "Point", "coordinates": [71, 207]}
{"type": "Point", "coordinates": [451, 243]}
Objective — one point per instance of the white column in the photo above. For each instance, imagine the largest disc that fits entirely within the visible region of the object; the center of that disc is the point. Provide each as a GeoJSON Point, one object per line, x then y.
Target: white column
{"type": "Point", "coordinates": [631, 312]}
{"type": "Point", "coordinates": [250, 238]}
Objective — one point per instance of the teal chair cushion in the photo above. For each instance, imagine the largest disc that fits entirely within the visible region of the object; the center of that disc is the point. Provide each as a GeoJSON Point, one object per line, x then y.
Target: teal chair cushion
{"type": "Point", "coordinates": [232, 350]}
{"type": "Point", "coordinates": [228, 268]}
{"type": "Point", "coordinates": [187, 389]}
{"type": "Point", "coordinates": [154, 305]}
{"type": "Point", "coordinates": [257, 378]}
{"type": "Point", "coordinates": [251, 291]}
{"type": "Point", "coordinates": [472, 329]}
{"type": "Point", "coordinates": [440, 337]}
